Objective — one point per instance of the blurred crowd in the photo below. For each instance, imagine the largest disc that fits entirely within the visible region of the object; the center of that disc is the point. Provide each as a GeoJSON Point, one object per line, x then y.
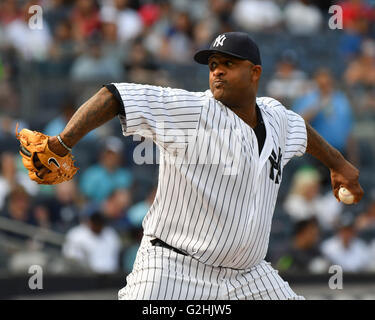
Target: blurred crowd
{"type": "Point", "coordinates": [94, 222]}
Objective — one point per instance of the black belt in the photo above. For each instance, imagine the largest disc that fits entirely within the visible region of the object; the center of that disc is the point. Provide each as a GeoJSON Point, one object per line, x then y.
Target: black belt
{"type": "Point", "coordinates": [159, 243]}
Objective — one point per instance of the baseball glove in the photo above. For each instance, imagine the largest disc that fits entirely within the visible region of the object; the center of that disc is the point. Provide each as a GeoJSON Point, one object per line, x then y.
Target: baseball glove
{"type": "Point", "coordinates": [36, 154]}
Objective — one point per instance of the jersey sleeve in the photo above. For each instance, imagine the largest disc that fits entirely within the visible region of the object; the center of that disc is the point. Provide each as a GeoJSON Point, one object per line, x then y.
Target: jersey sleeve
{"type": "Point", "coordinates": [161, 114]}
{"type": "Point", "coordinates": [296, 136]}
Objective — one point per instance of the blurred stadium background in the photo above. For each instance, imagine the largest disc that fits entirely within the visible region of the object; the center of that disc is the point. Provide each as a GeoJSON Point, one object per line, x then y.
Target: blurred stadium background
{"type": "Point", "coordinates": [84, 233]}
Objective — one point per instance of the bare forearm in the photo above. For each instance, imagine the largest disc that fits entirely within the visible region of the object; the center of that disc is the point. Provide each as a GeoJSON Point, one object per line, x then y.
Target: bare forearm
{"type": "Point", "coordinates": [343, 173]}
{"type": "Point", "coordinates": [99, 109]}
{"type": "Point", "coordinates": [321, 149]}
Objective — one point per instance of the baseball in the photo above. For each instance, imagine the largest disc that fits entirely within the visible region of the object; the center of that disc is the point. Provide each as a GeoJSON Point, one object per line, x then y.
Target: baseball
{"type": "Point", "coordinates": [346, 196]}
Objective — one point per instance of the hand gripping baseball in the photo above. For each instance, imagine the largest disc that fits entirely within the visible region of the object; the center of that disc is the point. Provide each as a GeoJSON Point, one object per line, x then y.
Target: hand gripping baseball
{"type": "Point", "coordinates": [345, 177]}
{"type": "Point", "coordinates": [44, 165]}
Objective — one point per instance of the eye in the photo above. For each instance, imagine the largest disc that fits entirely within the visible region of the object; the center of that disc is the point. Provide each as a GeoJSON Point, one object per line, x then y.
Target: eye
{"type": "Point", "coordinates": [229, 63]}
{"type": "Point", "coordinates": [213, 65]}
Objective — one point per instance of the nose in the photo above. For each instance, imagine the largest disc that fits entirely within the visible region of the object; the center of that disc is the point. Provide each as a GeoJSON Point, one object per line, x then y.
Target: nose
{"type": "Point", "coordinates": [219, 71]}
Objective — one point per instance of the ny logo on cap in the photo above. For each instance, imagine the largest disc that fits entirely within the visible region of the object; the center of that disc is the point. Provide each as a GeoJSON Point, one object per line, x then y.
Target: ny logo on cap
{"type": "Point", "coordinates": [219, 41]}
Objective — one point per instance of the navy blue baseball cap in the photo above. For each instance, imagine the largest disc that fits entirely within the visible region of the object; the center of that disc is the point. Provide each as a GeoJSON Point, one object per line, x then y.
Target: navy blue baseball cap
{"type": "Point", "coordinates": [236, 44]}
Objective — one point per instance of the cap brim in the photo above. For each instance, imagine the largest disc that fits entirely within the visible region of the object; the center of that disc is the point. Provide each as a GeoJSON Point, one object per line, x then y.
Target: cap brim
{"type": "Point", "coordinates": [203, 55]}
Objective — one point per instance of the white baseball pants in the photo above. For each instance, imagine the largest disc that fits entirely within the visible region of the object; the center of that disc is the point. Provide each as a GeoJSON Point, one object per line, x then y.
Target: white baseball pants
{"type": "Point", "coordinates": [162, 274]}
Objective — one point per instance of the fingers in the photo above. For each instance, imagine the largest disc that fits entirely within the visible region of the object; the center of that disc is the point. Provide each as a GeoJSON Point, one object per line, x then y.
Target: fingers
{"type": "Point", "coordinates": [335, 187]}
{"type": "Point", "coordinates": [336, 194]}
{"type": "Point", "coordinates": [357, 192]}
{"type": "Point", "coordinates": [42, 169]}
{"type": "Point", "coordinates": [42, 172]}
{"type": "Point", "coordinates": [38, 164]}
{"type": "Point", "coordinates": [352, 185]}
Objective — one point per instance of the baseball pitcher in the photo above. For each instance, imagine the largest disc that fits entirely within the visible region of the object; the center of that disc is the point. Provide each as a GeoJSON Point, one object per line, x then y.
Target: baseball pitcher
{"type": "Point", "coordinates": [222, 154]}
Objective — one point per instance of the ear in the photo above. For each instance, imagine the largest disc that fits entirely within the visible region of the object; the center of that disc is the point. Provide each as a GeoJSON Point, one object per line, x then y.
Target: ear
{"type": "Point", "coordinates": [256, 74]}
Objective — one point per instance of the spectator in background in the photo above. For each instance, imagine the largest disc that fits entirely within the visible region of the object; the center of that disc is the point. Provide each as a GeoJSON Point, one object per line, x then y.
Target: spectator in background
{"type": "Point", "coordinates": [369, 104]}
{"type": "Point", "coordinates": [10, 178]}
{"type": "Point", "coordinates": [345, 248]}
{"type": "Point", "coordinates": [149, 12]}
{"type": "Point", "coordinates": [7, 130]}
{"type": "Point", "coordinates": [361, 71]}
{"type": "Point", "coordinates": [10, 64]}
{"type": "Point", "coordinates": [288, 83]}
{"type": "Point", "coordinates": [110, 44]}
{"type": "Point", "coordinates": [221, 8]}
{"type": "Point", "coordinates": [302, 17]}
{"type": "Point", "coordinates": [177, 42]}
{"type": "Point", "coordinates": [135, 216]}
{"type": "Point", "coordinates": [257, 15]}
{"type": "Point", "coordinates": [329, 112]}
{"type": "Point", "coordinates": [114, 209]}
{"type": "Point", "coordinates": [138, 211]}
{"type": "Point", "coordinates": [31, 44]}
{"type": "Point", "coordinates": [63, 50]}
{"type": "Point", "coordinates": [360, 78]}
{"type": "Point", "coordinates": [324, 5]}
{"type": "Point", "coordinates": [356, 25]}
{"type": "Point", "coordinates": [18, 206]}
{"type": "Point", "coordinates": [93, 245]}
{"type": "Point", "coordinates": [128, 21]}
{"type": "Point", "coordinates": [354, 11]}
{"type": "Point", "coordinates": [371, 265]}
{"type": "Point", "coordinates": [56, 12]}
{"type": "Point", "coordinates": [155, 33]}
{"type": "Point", "coordinates": [85, 19]}
{"type": "Point", "coordinates": [102, 179]}
{"type": "Point", "coordinates": [62, 208]}
{"type": "Point", "coordinates": [303, 255]}
{"type": "Point", "coordinates": [220, 14]}
{"type": "Point", "coordinates": [9, 11]}
{"type": "Point", "coordinates": [95, 64]}
{"type": "Point", "coordinates": [141, 67]}
{"type": "Point", "coordinates": [9, 100]}
{"type": "Point", "coordinates": [203, 32]}
{"type": "Point", "coordinates": [366, 220]}
{"type": "Point", "coordinates": [304, 200]}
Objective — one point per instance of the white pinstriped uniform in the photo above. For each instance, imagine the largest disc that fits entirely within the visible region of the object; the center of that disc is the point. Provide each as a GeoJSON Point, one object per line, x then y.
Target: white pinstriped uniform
{"type": "Point", "coordinates": [220, 218]}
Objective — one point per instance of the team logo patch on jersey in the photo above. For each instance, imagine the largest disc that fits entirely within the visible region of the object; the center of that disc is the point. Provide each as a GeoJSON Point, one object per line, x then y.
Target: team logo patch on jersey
{"type": "Point", "coordinates": [275, 165]}
{"type": "Point", "coordinates": [219, 41]}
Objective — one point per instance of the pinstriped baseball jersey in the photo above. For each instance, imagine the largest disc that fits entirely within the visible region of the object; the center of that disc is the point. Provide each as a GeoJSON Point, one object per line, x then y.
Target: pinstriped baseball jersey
{"type": "Point", "coordinates": [216, 195]}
